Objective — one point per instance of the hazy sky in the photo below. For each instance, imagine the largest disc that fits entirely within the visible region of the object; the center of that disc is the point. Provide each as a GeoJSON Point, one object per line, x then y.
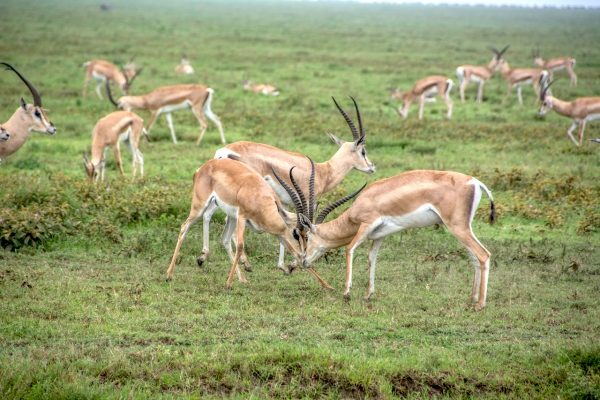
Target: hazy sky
{"type": "Point", "coordinates": [526, 3]}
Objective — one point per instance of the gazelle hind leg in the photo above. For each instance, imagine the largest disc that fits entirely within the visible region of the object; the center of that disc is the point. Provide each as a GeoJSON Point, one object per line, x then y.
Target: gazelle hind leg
{"type": "Point", "coordinates": [203, 125]}
{"type": "Point", "coordinates": [574, 125]}
{"type": "Point", "coordinates": [170, 121]}
{"type": "Point", "coordinates": [213, 117]}
{"type": "Point", "coordinates": [239, 248]}
{"type": "Point", "coordinates": [372, 260]}
{"type": "Point", "coordinates": [281, 262]}
{"type": "Point", "coordinates": [207, 216]}
{"type": "Point", "coordinates": [581, 129]}
{"type": "Point", "coordinates": [99, 89]}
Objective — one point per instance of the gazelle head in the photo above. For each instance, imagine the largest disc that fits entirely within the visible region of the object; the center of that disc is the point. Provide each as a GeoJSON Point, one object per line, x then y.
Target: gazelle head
{"type": "Point", "coordinates": [246, 84]}
{"type": "Point", "coordinates": [35, 114]}
{"type": "Point", "coordinates": [546, 98]}
{"type": "Point", "coordinates": [537, 58]}
{"type": "Point", "coordinates": [4, 134]}
{"type": "Point", "coordinates": [93, 171]}
{"type": "Point", "coordinates": [129, 73]}
{"type": "Point", "coordinates": [356, 151]}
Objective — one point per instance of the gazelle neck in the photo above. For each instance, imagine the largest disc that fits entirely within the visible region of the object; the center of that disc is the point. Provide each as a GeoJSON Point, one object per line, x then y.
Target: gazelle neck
{"type": "Point", "coordinates": [335, 169]}
{"type": "Point", "coordinates": [338, 232]}
{"type": "Point", "coordinates": [561, 107]}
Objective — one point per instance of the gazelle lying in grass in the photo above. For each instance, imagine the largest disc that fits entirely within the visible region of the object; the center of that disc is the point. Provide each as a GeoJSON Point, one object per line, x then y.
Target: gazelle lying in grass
{"type": "Point", "coordinates": [579, 110]}
{"type": "Point", "coordinates": [167, 99]}
{"type": "Point", "coordinates": [27, 118]}
{"type": "Point", "coordinates": [413, 199]}
{"type": "Point", "coordinates": [260, 157]}
{"type": "Point", "coordinates": [117, 127]}
{"type": "Point", "coordinates": [476, 73]}
{"type": "Point", "coordinates": [247, 199]}
{"type": "Point", "coordinates": [424, 90]}
{"type": "Point", "coordinates": [104, 71]}
{"type": "Point", "coordinates": [184, 67]}
{"type": "Point", "coordinates": [556, 64]}
{"type": "Point", "coordinates": [262, 88]}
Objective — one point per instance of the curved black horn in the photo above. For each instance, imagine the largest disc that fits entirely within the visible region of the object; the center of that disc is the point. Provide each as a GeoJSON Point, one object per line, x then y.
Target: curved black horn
{"type": "Point", "coordinates": [545, 89]}
{"type": "Point", "coordinates": [137, 72]}
{"type": "Point", "coordinates": [37, 99]}
{"type": "Point", "coordinates": [311, 191]}
{"type": "Point", "coordinates": [502, 51]}
{"type": "Point", "coordinates": [291, 193]}
{"type": "Point", "coordinates": [132, 58]}
{"type": "Point", "coordinates": [336, 204]}
{"type": "Point", "coordinates": [360, 125]}
{"type": "Point", "coordinates": [492, 48]}
{"type": "Point", "coordinates": [304, 208]}
{"type": "Point", "coordinates": [110, 95]}
{"type": "Point", "coordinates": [348, 120]}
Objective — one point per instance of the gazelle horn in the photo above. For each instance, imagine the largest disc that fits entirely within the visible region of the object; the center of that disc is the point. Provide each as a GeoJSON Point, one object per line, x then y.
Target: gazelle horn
{"type": "Point", "coordinates": [355, 134]}
{"type": "Point", "coordinates": [37, 99]}
{"type": "Point", "coordinates": [336, 204]}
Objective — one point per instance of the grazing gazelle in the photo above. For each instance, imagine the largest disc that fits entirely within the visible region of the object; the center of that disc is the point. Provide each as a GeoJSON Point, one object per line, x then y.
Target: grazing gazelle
{"type": "Point", "coordinates": [580, 110]}
{"type": "Point", "coordinates": [262, 88]}
{"type": "Point", "coordinates": [556, 64]}
{"type": "Point", "coordinates": [260, 157]}
{"type": "Point", "coordinates": [184, 67]}
{"type": "Point", "coordinates": [110, 131]}
{"type": "Point", "coordinates": [476, 73]}
{"type": "Point", "coordinates": [167, 99]}
{"type": "Point", "coordinates": [424, 90]}
{"type": "Point", "coordinates": [104, 71]}
{"type": "Point", "coordinates": [523, 76]}
{"type": "Point", "coordinates": [4, 134]}
{"type": "Point", "coordinates": [413, 199]}
{"type": "Point", "coordinates": [247, 199]}
{"type": "Point", "coordinates": [27, 118]}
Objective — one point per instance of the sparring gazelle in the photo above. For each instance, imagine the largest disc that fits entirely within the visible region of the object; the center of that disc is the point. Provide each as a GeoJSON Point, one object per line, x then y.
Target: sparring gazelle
{"type": "Point", "coordinates": [556, 64]}
{"type": "Point", "coordinates": [167, 99]}
{"type": "Point", "coordinates": [580, 110]}
{"type": "Point", "coordinates": [247, 199]}
{"type": "Point", "coordinates": [413, 199]}
{"type": "Point", "coordinates": [104, 71]}
{"type": "Point", "coordinates": [261, 88]}
{"type": "Point", "coordinates": [260, 157]}
{"type": "Point", "coordinates": [523, 76]}
{"type": "Point", "coordinates": [476, 73]}
{"type": "Point", "coordinates": [27, 118]}
{"type": "Point", "coordinates": [423, 91]}
{"type": "Point", "coordinates": [110, 131]}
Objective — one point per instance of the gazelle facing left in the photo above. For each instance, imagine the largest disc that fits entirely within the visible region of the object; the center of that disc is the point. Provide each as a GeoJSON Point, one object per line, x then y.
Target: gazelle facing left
{"type": "Point", "coordinates": [247, 199]}
{"type": "Point", "coordinates": [117, 127]}
{"type": "Point", "coordinates": [409, 200]}
{"type": "Point", "coordinates": [167, 99]}
{"type": "Point", "coordinates": [262, 88]}
{"type": "Point", "coordinates": [579, 110]}
{"type": "Point", "coordinates": [27, 118]}
{"type": "Point", "coordinates": [4, 134]}
{"type": "Point", "coordinates": [423, 91]}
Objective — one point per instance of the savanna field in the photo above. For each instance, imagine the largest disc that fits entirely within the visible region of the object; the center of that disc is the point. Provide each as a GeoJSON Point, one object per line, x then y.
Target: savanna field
{"type": "Point", "coordinates": [85, 311]}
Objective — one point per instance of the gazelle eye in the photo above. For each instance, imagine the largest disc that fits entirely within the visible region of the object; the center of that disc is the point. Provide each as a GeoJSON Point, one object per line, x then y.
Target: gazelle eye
{"type": "Point", "coordinates": [37, 114]}
{"type": "Point", "coordinates": [295, 234]}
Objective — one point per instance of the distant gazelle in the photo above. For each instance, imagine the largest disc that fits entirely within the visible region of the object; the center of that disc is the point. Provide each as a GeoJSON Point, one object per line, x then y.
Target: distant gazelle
{"type": "Point", "coordinates": [556, 64]}
{"type": "Point", "coordinates": [413, 199]}
{"type": "Point", "coordinates": [167, 99]}
{"type": "Point", "coordinates": [423, 91]}
{"type": "Point", "coordinates": [184, 67]}
{"type": "Point", "coordinates": [27, 118]}
{"type": "Point", "coordinates": [104, 71]}
{"type": "Point", "coordinates": [580, 110]}
{"type": "Point", "coordinates": [262, 88]}
{"type": "Point", "coordinates": [523, 76]}
{"type": "Point", "coordinates": [481, 74]}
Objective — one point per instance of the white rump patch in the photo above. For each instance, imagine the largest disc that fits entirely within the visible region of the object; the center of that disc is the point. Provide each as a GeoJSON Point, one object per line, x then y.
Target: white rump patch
{"type": "Point", "coordinates": [224, 152]}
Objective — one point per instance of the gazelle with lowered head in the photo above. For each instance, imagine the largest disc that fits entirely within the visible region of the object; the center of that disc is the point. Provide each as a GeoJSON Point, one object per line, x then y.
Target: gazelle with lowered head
{"type": "Point", "coordinates": [260, 157]}
{"type": "Point", "coordinates": [556, 64]}
{"type": "Point", "coordinates": [580, 110]}
{"type": "Point", "coordinates": [523, 76]}
{"type": "Point", "coordinates": [184, 67]}
{"type": "Point", "coordinates": [262, 88]}
{"type": "Point", "coordinates": [104, 71]}
{"type": "Point", "coordinates": [117, 127]}
{"type": "Point", "coordinates": [27, 118]}
{"type": "Point", "coordinates": [167, 99]}
{"type": "Point", "coordinates": [423, 91]}
{"type": "Point", "coordinates": [248, 200]}
{"type": "Point", "coordinates": [477, 73]}
{"type": "Point", "coordinates": [413, 199]}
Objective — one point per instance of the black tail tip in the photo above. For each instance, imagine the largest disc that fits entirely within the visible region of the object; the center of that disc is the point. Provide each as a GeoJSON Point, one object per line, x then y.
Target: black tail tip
{"type": "Point", "coordinates": [493, 218]}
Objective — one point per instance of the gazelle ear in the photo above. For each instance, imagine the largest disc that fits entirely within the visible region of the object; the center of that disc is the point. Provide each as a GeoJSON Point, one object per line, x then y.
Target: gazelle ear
{"type": "Point", "coordinates": [306, 224]}
{"type": "Point", "coordinates": [23, 104]}
{"type": "Point", "coordinates": [283, 215]}
{"type": "Point", "coordinates": [336, 139]}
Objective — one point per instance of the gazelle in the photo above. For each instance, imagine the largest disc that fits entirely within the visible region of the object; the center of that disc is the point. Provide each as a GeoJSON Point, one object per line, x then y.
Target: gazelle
{"type": "Point", "coordinates": [413, 199]}
{"type": "Point", "coordinates": [424, 91]}
{"type": "Point", "coordinates": [104, 71]}
{"type": "Point", "coordinates": [580, 110]}
{"type": "Point", "coordinates": [4, 134]}
{"type": "Point", "coordinates": [110, 131]}
{"type": "Point", "coordinates": [27, 118]}
{"type": "Point", "coordinates": [167, 99]}
{"type": "Point", "coordinates": [260, 157]}
{"type": "Point", "coordinates": [262, 88]}
{"type": "Point", "coordinates": [556, 64]}
{"type": "Point", "coordinates": [184, 67]}
{"type": "Point", "coordinates": [523, 76]}
{"type": "Point", "coordinates": [247, 199]}
{"type": "Point", "coordinates": [481, 74]}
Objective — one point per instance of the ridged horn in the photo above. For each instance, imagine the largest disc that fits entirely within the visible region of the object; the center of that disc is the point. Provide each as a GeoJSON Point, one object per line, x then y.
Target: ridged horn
{"type": "Point", "coordinates": [360, 125]}
{"type": "Point", "coordinates": [311, 191]}
{"type": "Point", "coordinates": [355, 134]}
{"type": "Point", "coordinates": [545, 89]}
{"type": "Point", "coordinates": [300, 193]}
{"type": "Point", "coordinates": [37, 99]}
{"type": "Point", "coordinates": [109, 94]}
{"type": "Point", "coordinates": [336, 204]}
{"type": "Point", "coordinates": [292, 194]}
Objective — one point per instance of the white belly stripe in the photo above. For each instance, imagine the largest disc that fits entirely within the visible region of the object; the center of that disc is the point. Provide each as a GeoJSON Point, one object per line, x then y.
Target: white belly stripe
{"type": "Point", "coordinates": [426, 215]}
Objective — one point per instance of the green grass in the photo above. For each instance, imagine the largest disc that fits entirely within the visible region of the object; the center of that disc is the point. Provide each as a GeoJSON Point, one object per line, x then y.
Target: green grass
{"type": "Point", "coordinates": [86, 312]}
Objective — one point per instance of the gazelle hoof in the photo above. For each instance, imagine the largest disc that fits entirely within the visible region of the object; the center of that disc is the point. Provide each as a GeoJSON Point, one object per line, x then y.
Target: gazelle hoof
{"type": "Point", "coordinates": [200, 260]}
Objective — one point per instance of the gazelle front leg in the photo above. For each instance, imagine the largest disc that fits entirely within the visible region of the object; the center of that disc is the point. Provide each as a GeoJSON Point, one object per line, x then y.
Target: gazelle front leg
{"type": "Point", "coordinates": [281, 262]}
{"type": "Point", "coordinates": [480, 92]}
{"type": "Point", "coordinates": [574, 125]}
{"type": "Point", "coordinates": [372, 260]}
{"type": "Point", "coordinates": [99, 89]}
{"type": "Point", "coordinates": [170, 121]}
{"type": "Point", "coordinates": [581, 129]}
{"type": "Point", "coordinates": [360, 237]}
{"type": "Point", "coordinates": [239, 248]}
{"type": "Point", "coordinates": [421, 105]}
{"type": "Point", "coordinates": [510, 87]}
{"type": "Point", "coordinates": [519, 95]}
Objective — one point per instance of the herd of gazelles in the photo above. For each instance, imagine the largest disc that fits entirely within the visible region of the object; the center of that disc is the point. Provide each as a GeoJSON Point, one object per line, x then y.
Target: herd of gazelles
{"type": "Point", "coordinates": [242, 180]}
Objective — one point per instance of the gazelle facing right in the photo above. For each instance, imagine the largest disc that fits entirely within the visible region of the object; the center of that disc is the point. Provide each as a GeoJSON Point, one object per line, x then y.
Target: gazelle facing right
{"type": "Point", "coordinates": [424, 91]}
{"type": "Point", "coordinates": [413, 199]}
{"type": "Point", "coordinates": [4, 134]}
{"type": "Point", "coordinates": [104, 71]}
{"type": "Point", "coordinates": [556, 64]}
{"type": "Point", "coordinates": [476, 73]}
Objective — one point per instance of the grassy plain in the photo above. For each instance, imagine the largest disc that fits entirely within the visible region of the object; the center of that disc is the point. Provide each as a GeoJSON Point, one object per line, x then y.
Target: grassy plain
{"type": "Point", "coordinates": [86, 313]}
